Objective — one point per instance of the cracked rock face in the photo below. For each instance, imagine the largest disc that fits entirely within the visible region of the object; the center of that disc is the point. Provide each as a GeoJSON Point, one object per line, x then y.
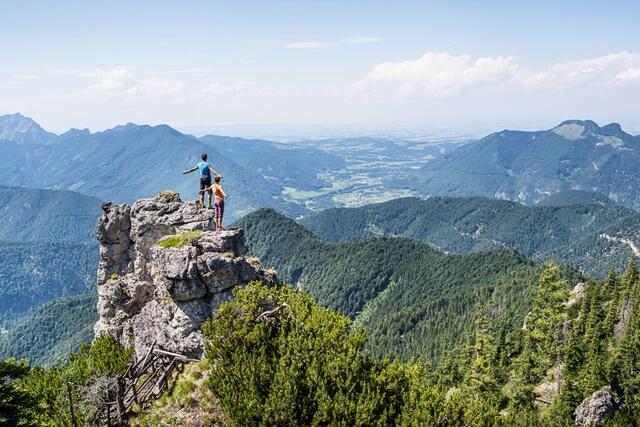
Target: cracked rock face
{"type": "Point", "coordinates": [595, 409]}
{"type": "Point", "coordinates": [151, 293]}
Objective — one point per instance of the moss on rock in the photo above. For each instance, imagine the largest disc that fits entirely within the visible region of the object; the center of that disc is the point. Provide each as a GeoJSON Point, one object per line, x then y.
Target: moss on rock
{"type": "Point", "coordinates": [179, 240]}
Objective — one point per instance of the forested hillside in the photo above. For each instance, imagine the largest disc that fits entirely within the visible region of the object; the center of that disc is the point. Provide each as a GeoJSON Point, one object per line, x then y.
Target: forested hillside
{"type": "Point", "coordinates": [473, 224]}
{"type": "Point", "coordinates": [415, 301]}
{"type": "Point", "coordinates": [48, 250]}
{"type": "Point", "coordinates": [527, 166]}
{"type": "Point", "coordinates": [53, 331]}
{"type": "Point", "coordinates": [610, 248]}
{"type": "Point", "coordinates": [30, 214]}
{"type": "Point", "coordinates": [33, 273]}
{"type": "Point", "coordinates": [575, 197]}
{"type": "Point", "coordinates": [574, 362]}
{"type": "Point", "coordinates": [274, 356]}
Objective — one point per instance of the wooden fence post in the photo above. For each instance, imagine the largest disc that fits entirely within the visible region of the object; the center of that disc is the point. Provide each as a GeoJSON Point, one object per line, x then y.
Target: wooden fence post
{"type": "Point", "coordinates": [119, 402]}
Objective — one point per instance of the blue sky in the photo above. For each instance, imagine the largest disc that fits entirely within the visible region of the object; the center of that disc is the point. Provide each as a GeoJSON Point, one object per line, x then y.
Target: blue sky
{"type": "Point", "coordinates": [330, 63]}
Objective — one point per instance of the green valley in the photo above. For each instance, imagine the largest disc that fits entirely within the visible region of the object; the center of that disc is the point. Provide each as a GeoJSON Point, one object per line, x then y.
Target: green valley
{"type": "Point", "coordinates": [552, 231]}
{"type": "Point", "coordinates": [415, 301]}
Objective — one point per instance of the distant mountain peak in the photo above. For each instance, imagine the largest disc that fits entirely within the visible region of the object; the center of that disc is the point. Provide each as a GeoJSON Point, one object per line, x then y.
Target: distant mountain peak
{"type": "Point", "coordinates": [18, 116]}
{"type": "Point", "coordinates": [612, 129]}
{"type": "Point", "coordinates": [73, 132]}
{"type": "Point", "coordinates": [127, 127]}
{"type": "Point", "coordinates": [19, 120]}
{"type": "Point", "coordinates": [528, 165]}
{"type": "Point", "coordinates": [580, 129]}
{"type": "Point", "coordinates": [134, 127]}
{"type": "Point", "coordinates": [588, 124]}
{"type": "Point", "coordinates": [576, 129]}
{"type": "Point", "coordinates": [22, 129]}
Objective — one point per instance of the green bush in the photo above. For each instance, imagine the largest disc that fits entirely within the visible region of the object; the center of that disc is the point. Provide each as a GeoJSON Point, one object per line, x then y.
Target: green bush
{"type": "Point", "coordinates": [278, 358]}
{"type": "Point", "coordinates": [14, 403]}
{"type": "Point", "coordinates": [49, 388]}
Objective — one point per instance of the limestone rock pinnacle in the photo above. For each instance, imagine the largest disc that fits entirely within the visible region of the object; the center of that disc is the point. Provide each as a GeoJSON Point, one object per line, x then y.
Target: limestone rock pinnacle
{"type": "Point", "coordinates": [162, 272]}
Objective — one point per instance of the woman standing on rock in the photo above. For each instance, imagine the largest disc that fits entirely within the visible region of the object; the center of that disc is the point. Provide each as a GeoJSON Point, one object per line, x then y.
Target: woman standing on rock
{"type": "Point", "coordinates": [206, 170]}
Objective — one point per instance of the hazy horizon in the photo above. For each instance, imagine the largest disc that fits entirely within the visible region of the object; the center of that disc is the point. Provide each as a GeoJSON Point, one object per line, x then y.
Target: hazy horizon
{"type": "Point", "coordinates": [334, 67]}
{"type": "Point", "coordinates": [283, 132]}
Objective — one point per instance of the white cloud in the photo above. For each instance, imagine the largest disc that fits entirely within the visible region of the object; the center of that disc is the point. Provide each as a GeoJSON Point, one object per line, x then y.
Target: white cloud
{"type": "Point", "coordinates": [328, 44]}
{"type": "Point", "coordinates": [629, 75]}
{"type": "Point", "coordinates": [121, 81]}
{"type": "Point", "coordinates": [441, 75]}
{"type": "Point", "coordinates": [603, 70]}
{"type": "Point", "coordinates": [110, 81]}
{"type": "Point", "coordinates": [219, 88]}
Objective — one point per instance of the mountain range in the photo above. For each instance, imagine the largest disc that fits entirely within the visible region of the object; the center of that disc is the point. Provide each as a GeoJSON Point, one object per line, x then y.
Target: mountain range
{"type": "Point", "coordinates": [130, 162]}
{"type": "Point", "coordinates": [443, 280]}
{"type": "Point", "coordinates": [528, 166]}
{"type": "Point", "coordinates": [366, 262]}
{"type": "Point", "coordinates": [552, 230]}
{"type": "Point", "coordinates": [47, 237]}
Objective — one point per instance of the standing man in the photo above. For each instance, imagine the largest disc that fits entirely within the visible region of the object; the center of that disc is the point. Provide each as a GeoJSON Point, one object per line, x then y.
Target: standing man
{"type": "Point", "coordinates": [205, 177]}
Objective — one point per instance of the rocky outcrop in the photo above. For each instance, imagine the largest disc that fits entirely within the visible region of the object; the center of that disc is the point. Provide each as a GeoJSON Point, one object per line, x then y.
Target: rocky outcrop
{"type": "Point", "coordinates": [595, 409]}
{"type": "Point", "coordinates": [162, 272]}
{"type": "Point", "coordinates": [624, 316]}
{"type": "Point", "coordinates": [576, 294]}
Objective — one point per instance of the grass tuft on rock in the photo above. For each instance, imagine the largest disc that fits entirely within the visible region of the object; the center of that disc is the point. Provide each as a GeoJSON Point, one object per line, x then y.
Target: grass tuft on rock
{"type": "Point", "coordinates": [179, 240]}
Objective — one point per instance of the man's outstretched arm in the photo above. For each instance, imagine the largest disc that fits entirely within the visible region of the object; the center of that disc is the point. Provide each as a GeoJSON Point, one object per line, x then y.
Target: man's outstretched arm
{"type": "Point", "coordinates": [205, 190]}
{"type": "Point", "coordinates": [213, 171]}
{"type": "Point", "coordinates": [189, 170]}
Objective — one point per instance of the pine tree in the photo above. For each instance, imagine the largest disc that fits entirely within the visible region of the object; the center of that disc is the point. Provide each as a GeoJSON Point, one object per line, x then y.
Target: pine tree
{"type": "Point", "coordinates": [480, 379]}
{"type": "Point", "coordinates": [622, 359]}
{"type": "Point", "coordinates": [630, 343]}
{"type": "Point", "coordinates": [595, 340]}
{"type": "Point", "coordinates": [573, 361]}
{"type": "Point", "coordinates": [611, 290]}
{"type": "Point", "coordinates": [480, 385]}
{"type": "Point", "coordinates": [540, 351]}
{"type": "Point", "coordinates": [14, 402]}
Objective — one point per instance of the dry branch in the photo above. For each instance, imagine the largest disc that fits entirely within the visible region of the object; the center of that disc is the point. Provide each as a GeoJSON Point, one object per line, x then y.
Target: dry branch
{"type": "Point", "coordinates": [270, 313]}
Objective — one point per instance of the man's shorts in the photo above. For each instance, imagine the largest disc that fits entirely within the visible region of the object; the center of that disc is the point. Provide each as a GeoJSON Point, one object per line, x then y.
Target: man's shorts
{"type": "Point", "coordinates": [205, 181]}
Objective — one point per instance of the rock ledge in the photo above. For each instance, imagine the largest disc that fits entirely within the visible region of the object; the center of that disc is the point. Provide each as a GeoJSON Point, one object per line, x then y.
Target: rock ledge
{"type": "Point", "coordinates": [147, 292]}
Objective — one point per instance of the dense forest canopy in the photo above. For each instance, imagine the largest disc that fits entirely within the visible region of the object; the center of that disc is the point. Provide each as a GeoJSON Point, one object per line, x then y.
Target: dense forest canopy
{"type": "Point", "coordinates": [274, 356]}
{"type": "Point", "coordinates": [415, 301]}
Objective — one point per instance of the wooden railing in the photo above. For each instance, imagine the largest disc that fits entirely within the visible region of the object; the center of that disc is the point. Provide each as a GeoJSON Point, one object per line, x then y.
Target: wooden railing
{"type": "Point", "coordinates": [143, 382]}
